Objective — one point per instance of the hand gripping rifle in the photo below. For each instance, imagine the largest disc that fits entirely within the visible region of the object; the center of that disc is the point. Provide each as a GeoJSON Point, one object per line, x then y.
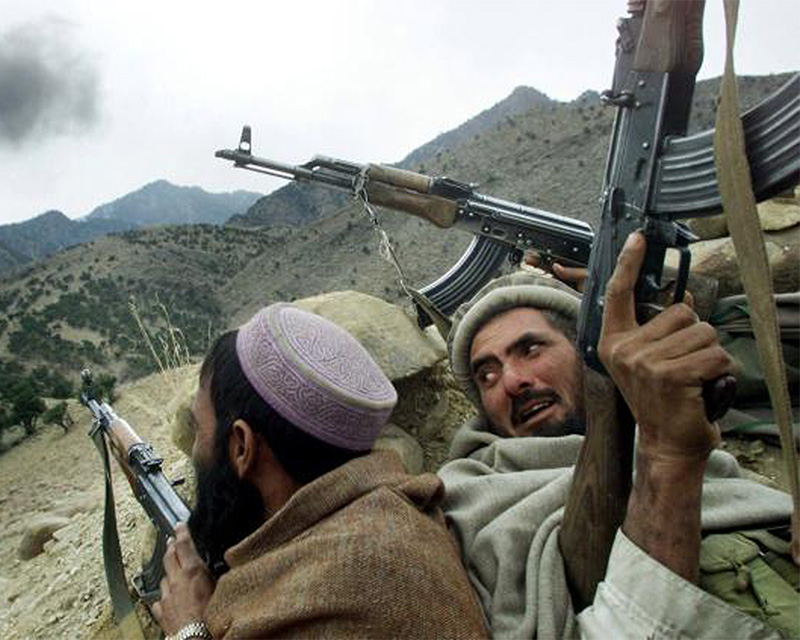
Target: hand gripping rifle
{"type": "Point", "coordinates": [156, 495]}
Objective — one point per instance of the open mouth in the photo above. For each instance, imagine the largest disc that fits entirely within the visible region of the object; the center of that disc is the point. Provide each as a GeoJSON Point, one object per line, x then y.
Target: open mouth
{"type": "Point", "coordinates": [532, 409]}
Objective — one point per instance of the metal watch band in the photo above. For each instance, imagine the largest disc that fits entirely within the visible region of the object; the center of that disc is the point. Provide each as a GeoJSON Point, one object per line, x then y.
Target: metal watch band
{"type": "Point", "coordinates": [194, 629]}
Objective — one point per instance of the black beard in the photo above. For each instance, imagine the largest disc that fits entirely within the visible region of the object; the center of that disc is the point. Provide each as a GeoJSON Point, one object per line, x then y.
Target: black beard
{"type": "Point", "coordinates": [226, 511]}
{"type": "Point", "coordinates": [572, 424]}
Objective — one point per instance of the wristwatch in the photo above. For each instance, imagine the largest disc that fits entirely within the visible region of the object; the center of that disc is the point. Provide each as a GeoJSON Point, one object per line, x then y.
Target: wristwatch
{"type": "Point", "coordinates": [192, 630]}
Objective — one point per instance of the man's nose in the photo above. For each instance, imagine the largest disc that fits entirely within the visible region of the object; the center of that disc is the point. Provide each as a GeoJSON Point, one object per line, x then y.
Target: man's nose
{"type": "Point", "coordinates": [516, 378]}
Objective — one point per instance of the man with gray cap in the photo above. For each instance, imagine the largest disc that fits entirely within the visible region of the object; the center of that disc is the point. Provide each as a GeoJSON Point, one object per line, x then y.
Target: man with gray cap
{"type": "Point", "coordinates": [512, 350]}
{"type": "Point", "coordinates": [302, 529]}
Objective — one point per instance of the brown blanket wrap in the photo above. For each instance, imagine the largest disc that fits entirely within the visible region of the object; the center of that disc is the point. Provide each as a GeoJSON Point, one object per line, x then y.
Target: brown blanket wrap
{"type": "Point", "coordinates": [360, 552]}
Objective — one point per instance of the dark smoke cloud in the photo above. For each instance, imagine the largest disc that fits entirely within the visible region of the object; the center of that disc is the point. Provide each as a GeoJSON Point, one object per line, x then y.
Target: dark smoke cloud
{"type": "Point", "coordinates": [48, 86]}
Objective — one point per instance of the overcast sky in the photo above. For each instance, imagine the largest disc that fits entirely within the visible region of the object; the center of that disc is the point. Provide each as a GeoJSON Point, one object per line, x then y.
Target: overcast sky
{"type": "Point", "coordinates": [99, 98]}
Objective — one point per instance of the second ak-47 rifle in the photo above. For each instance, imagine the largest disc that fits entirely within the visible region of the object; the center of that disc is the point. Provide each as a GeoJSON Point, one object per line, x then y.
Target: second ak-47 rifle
{"type": "Point", "coordinates": [654, 177]}
{"type": "Point", "coordinates": [156, 495]}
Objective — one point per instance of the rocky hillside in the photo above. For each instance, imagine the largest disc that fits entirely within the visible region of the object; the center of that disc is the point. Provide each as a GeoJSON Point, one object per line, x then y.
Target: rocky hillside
{"type": "Point", "coordinates": [521, 100]}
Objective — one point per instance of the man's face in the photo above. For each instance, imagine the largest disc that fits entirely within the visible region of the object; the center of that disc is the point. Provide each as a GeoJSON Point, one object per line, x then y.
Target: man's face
{"type": "Point", "coordinates": [227, 509]}
{"type": "Point", "coordinates": [529, 376]}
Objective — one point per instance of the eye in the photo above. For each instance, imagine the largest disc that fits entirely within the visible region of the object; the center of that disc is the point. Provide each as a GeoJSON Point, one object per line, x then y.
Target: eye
{"type": "Point", "coordinates": [532, 349]}
{"type": "Point", "coordinates": [486, 376]}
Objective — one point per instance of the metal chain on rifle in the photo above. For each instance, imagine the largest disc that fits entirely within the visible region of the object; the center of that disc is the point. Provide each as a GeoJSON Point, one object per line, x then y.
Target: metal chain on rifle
{"type": "Point", "coordinates": [385, 245]}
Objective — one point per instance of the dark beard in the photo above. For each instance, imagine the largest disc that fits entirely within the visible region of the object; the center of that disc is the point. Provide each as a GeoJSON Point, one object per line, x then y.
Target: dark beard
{"type": "Point", "coordinates": [572, 425]}
{"type": "Point", "coordinates": [226, 511]}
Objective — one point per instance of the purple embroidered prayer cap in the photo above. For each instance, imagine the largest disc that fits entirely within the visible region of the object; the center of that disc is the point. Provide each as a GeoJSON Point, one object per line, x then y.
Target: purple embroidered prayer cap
{"type": "Point", "coordinates": [316, 375]}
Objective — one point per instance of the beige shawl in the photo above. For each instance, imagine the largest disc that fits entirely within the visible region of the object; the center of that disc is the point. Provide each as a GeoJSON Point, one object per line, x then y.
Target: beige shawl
{"type": "Point", "coordinates": [505, 499]}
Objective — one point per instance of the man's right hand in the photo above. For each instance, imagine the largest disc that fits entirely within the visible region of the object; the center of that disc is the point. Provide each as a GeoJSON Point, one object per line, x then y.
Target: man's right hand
{"type": "Point", "coordinates": [660, 366]}
{"type": "Point", "coordinates": [187, 586]}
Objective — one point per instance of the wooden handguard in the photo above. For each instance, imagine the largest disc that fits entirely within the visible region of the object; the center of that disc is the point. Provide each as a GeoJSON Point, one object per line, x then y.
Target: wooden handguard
{"type": "Point", "coordinates": [601, 483]}
{"type": "Point", "coordinates": [671, 38]}
{"type": "Point", "coordinates": [434, 209]}
{"type": "Point", "coordinates": [122, 438]}
{"type": "Point", "coordinates": [400, 178]}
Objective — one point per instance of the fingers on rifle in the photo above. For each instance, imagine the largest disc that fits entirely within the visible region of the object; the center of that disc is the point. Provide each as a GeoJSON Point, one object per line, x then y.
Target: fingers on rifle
{"type": "Point", "coordinates": [687, 340]}
{"type": "Point", "coordinates": [670, 320]}
{"type": "Point", "coordinates": [688, 357]}
{"type": "Point", "coordinates": [619, 311]}
{"type": "Point", "coordinates": [532, 258]}
{"type": "Point", "coordinates": [155, 609]}
{"type": "Point", "coordinates": [185, 549]}
{"type": "Point", "coordinates": [575, 276]}
{"type": "Point", "coordinates": [171, 562]}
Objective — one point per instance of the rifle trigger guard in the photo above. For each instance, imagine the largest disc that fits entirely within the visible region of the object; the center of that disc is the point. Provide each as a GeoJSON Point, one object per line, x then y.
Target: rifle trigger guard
{"type": "Point", "coordinates": [683, 238]}
{"type": "Point", "coordinates": [683, 274]}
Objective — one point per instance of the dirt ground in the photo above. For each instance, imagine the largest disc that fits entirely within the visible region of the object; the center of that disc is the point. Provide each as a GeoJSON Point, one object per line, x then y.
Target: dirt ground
{"type": "Point", "coordinates": [62, 593]}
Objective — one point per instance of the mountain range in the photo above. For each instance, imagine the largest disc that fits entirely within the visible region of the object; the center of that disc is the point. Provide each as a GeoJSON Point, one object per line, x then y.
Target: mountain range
{"type": "Point", "coordinates": [157, 203]}
{"type": "Point", "coordinates": [191, 281]}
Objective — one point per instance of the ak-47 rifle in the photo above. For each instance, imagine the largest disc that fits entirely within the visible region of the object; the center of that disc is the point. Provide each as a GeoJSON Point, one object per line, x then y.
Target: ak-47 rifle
{"type": "Point", "coordinates": [654, 177]}
{"type": "Point", "coordinates": [156, 495]}
{"type": "Point", "coordinates": [500, 227]}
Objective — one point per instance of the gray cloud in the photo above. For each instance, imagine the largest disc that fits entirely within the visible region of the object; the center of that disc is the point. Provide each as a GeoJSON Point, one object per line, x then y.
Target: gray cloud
{"type": "Point", "coordinates": [48, 86]}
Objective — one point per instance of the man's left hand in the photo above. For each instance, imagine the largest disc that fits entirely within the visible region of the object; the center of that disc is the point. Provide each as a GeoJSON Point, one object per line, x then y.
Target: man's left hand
{"type": "Point", "coordinates": [187, 585]}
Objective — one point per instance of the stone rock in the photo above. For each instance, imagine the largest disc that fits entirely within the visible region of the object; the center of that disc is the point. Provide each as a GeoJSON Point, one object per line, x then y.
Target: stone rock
{"type": "Point", "coordinates": [709, 228]}
{"type": "Point", "coordinates": [391, 337]}
{"type": "Point", "coordinates": [435, 417]}
{"type": "Point", "coordinates": [182, 427]}
{"type": "Point", "coordinates": [39, 531]}
{"type": "Point", "coordinates": [776, 214]}
{"type": "Point", "coordinates": [718, 259]}
{"type": "Point", "coordinates": [393, 438]}
{"type": "Point", "coordinates": [81, 503]}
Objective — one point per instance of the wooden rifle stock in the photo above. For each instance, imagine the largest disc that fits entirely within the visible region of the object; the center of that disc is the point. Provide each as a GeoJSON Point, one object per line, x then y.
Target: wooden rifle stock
{"type": "Point", "coordinates": [438, 211]}
{"type": "Point", "coordinates": [670, 41]}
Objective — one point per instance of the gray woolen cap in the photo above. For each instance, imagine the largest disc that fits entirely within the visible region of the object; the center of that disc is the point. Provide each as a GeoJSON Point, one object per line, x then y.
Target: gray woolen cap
{"type": "Point", "coordinates": [520, 289]}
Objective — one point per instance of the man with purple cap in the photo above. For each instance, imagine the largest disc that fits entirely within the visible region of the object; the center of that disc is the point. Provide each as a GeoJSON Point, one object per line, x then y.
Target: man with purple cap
{"type": "Point", "coordinates": [299, 529]}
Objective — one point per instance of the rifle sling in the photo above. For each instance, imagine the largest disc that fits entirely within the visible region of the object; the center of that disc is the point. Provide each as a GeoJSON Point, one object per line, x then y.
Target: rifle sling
{"type": "Point", "coordinates": [124, 609]}
{"type": "Point", "coordinates": [735, 186]}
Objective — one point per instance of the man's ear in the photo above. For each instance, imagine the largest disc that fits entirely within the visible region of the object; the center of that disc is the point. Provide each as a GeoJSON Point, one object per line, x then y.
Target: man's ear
{"type": "Point", "coordinates": [243, 446]}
